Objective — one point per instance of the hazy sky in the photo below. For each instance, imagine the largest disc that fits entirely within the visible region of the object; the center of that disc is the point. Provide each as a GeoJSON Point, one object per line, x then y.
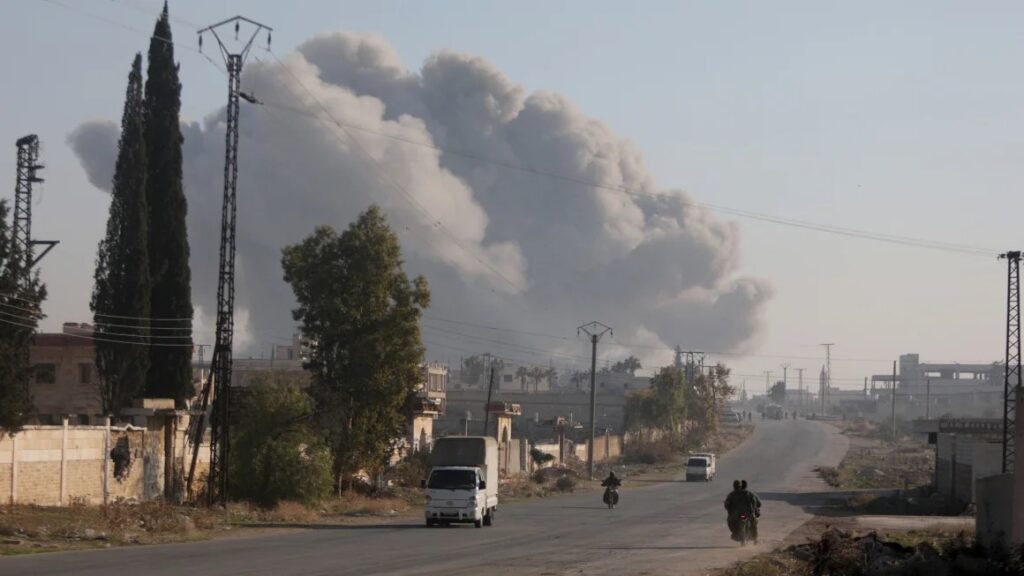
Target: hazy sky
{"type": "Point", "coordinates": [899, 118]}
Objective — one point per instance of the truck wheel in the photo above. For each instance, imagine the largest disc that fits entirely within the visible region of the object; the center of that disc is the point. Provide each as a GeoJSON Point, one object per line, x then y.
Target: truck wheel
{"type": "Point", "coordinates": [489, 518]}
{"type": "Point", "coordinates": [430, 523]}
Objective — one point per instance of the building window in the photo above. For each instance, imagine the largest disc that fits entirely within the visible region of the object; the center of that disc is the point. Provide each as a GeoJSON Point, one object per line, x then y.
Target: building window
{"type": "Point", "coordinates": [85, 373]}
{"type": "Point", "coordinates": [45, 373]}
{"type": "Point", "coordinates": [507, 378]}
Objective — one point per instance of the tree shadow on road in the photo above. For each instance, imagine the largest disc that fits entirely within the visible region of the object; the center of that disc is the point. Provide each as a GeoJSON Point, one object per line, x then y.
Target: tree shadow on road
{"type": "Point", "coordinates": [829, 503]}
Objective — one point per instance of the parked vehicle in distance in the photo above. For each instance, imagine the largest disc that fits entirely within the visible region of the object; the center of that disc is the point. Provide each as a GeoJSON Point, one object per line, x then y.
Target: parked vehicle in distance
{"type": "Point", "coordinates": [731, 417]}
{"type": "Point", "coordinates": [462, 486]}
{"type": "Point", "coordinates": [773, 412]}
{"type": "Point", "coordinates": [700, 467]}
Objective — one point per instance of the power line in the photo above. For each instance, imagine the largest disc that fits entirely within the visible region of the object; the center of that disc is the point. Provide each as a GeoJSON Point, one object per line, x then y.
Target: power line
{"type": "Point", "coordinates": [100, 339]}
{"type": "Point", "coordinates": [130, 28]}
{"type": "Point", "coordinates": [792, 222]}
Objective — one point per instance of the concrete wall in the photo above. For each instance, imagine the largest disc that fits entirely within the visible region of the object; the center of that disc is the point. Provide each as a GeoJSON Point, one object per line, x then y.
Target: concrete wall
{"type": "Point", "coordinates": [994, 516]}
{"type": "Point", "coordinates": [609, 447]}
{"type": "Point", "coordinates": [61, 465]}
{"type": "Point", "coordinates": [960, 460]}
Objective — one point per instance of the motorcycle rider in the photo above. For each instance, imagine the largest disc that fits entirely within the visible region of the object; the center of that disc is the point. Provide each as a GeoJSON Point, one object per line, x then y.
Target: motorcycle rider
{"type": "Point", "coordinates": [612, 481]}
{"type": "Point", "coordinates": [732, 507]}
{"type": "Point", "coordinates": [755, 505]}
{"type": "Point", "coordinates": [740, 501]}
{"type": "Point", "coordinates": [611, 485]}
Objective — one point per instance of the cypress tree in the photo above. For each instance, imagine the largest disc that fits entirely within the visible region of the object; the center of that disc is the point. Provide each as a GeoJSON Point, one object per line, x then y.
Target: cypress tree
{"type": "Point", "coordinates": [170, 370]}
{"type": "Point", "coordinates": [120, 297]}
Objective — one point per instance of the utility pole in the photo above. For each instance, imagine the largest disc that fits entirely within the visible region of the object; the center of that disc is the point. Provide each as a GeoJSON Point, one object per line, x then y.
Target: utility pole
{"type": "Point", "coordinates": [220, 370]}
{"type": "Point", "coordinates": [1012, 382]}
{"type": "Point", "coordinates": [487, 407]}
{"type": "Point", "coordinates": [800, 385]}
{"type": "Point", "coordinates": [893, 401]}
{"type": "Point", "coordinates": [827, 384]}
{"type": "Point", "coordinates": [785, 376]}
{"type": "Point", "coordinates": [26, 175]}
{"type": "Point", "coordinates": [594, 331]}
{"type": "Point", "coordinates": [928, 400]}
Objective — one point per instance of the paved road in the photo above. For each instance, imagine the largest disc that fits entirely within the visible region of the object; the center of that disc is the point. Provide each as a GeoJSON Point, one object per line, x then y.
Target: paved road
{"type": "Point", "coordinates": [665, 528]}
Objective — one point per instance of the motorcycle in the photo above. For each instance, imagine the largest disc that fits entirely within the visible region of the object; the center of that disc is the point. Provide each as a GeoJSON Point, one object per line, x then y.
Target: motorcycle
{"type": "Point", "coordinates": [611, 496]}
{"type": "Point", "coordinates": [744, 530]}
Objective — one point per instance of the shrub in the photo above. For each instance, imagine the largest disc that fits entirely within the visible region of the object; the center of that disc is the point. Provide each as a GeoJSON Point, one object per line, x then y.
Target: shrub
{"type": "Point", "coordinates": [656, 452]}
{"type": "Point", "coordinates": [275, 455]}
{"type": "Point", "coordinates": [565, 484]}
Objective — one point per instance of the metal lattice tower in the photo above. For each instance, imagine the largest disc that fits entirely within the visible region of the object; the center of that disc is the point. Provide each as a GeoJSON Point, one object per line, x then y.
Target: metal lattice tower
{"type": "Point", "coordinates": [219, 380]}
{"type": "Point", "coordinates": [22, 243]}
{"type": "Point", "coordinates": [1012, 383]}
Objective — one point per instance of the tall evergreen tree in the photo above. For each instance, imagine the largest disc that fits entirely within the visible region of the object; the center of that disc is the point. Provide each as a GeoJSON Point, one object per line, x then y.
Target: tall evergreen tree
{"type": "Point", "coordinates": [20, 298]}
{"type": "Point", "coordinates": [170, 369]}
{"type": "Point", "coordinates": [120, 297]}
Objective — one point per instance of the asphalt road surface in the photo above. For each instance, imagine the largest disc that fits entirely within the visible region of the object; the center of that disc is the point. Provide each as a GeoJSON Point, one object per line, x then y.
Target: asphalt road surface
{"type": "Point", "coordinates": [658, 528]}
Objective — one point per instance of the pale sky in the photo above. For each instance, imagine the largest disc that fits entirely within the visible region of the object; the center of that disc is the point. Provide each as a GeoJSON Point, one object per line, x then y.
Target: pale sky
{"type": "Point", "coordinates": [898, 118]}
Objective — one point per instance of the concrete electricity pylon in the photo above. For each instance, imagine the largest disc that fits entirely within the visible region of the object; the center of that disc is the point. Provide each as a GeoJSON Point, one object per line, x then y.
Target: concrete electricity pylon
{"type": "Point", "coordinates": [826, 384]}
{"type": "Point", "coordinates": [22, 244]}
{"type": "Point", "coordinates": [800, 385]}
{"type": "Point", "coordinates": [1012, 381]}
{"type": "Point", "coordinates": [594, 332]}
{"type": "Point", "coordinates": [220, 369]}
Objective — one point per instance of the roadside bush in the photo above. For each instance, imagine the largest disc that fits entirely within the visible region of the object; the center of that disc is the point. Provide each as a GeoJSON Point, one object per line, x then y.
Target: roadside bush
{"type": "Point", "coordinates": [565, 484]}
{"type": "Point", "coordinates": [541, 459]}
{"type": "Point", "coordinates": [275, 455]}
{"type": "Point", "coordinates": [412, 470]}
{"type": "Point", "coordinates": [656, 452]}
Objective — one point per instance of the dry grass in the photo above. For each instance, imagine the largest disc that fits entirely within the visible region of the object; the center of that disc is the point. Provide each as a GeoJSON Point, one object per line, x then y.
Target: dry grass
{"type": "Point", "coordinates": [27, 529]}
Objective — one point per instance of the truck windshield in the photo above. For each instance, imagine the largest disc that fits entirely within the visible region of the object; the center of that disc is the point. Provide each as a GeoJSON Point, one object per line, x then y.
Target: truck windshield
{"type": "Point", "coordinates": [452, 480]}
{"type": "Point", "coordinates": [698, 463]}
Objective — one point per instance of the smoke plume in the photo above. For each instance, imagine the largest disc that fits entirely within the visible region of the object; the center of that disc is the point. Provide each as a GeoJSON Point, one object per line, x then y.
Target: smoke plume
{"type": "Point", "coordinates": [461, 159]}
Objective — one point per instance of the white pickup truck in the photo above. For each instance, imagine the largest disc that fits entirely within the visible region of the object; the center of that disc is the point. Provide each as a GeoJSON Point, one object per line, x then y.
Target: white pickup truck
{"type": "Point", "coordinates": [700, 466]}
{"type": "Point", "coordinates": [463, 482]}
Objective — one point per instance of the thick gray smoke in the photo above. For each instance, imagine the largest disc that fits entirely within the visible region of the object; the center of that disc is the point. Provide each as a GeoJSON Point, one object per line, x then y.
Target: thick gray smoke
{"type": "Point", "coordinates": [500, 246]}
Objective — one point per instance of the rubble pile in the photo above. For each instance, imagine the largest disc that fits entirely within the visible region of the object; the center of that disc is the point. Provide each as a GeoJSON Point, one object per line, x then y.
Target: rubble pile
{"type": "Point", "coordinates": [840, 553]}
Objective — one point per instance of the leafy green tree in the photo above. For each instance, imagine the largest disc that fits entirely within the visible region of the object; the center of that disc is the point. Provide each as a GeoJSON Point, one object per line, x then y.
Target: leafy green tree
{"type": "Point", "coordinates": [472, 369]}
{"type": "Point", "coordinates": [120, 296]}
{"type": "Point", "coordinates": [363, 313]}
{"type": "Point", "coordinates": [778, 392]}
{"type": "Point", "coordinates": [275, 453]}
{"type": "Point", "coordinates": [170, 367]}
{"type": "Point", "coordinates": [21, 296]}
{"type": "Point", "coordinates": [707, 395]}
{"type": "Point", "coordinates": [670, 410]}
{"type": "Point", "coordinates": [522, 373]}
{"type": "Point", "coordinates": [628, 366]}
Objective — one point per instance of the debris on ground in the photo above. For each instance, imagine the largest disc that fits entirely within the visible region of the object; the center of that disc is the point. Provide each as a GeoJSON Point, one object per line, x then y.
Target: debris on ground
{"type": "Point", "coordinates": [844, 553]}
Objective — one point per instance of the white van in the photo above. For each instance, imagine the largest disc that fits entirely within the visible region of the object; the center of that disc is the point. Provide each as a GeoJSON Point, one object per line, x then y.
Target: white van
{"type": "Point", "coordinates": [700, 467]}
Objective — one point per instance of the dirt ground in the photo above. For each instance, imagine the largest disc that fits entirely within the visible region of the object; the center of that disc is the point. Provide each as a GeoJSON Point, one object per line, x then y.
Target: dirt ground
{"type": "Point", "coordinates": [875, 462]}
